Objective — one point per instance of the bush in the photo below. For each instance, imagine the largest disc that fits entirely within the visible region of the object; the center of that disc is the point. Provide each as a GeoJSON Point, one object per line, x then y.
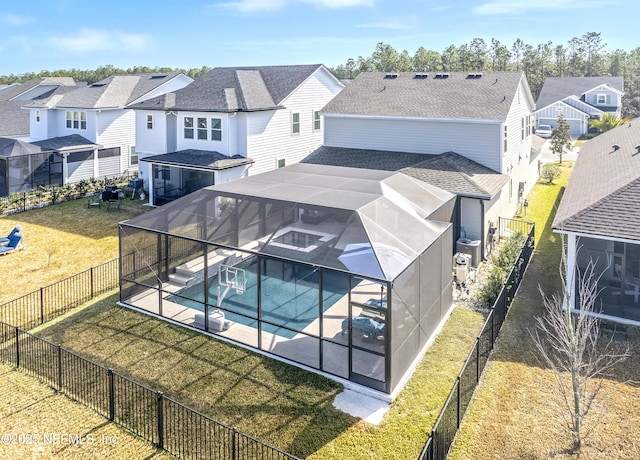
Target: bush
{"type": "Point", "coordinates": [550, 172]}
{"type": "Point", "coordinates": [502, 261]}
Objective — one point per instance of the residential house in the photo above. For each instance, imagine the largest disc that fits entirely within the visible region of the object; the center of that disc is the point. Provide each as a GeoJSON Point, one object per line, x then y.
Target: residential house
{"type": "Point", "coordinates": [469, 133]}
{"type": "Point", "coordinates": [91, 129]}
{"type": "Point", "coordinates": [230, 123]}
{"type": "Point", "coordinates": [599, 216]}
{"type": "Point", "coordinates": [578, 99]}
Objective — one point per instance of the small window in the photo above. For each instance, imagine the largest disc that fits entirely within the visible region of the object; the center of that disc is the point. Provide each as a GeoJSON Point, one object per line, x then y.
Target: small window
{"type": "Point", "coordinates": [68, 115]}
{"type": "Point", "coordinates": [202, 129]}
{"type": "Point", "coordinates": [83, 120]}
{"type": "Point", "coordinates": [295, 123]}
{"type": "Point", "coordinates": [281, 163]}
{"type": "Point", "coordinates": [37, 116]}
{"type": "Point", "coordinates": [188, 127]}
{"type": "Point", "coordinates": [505, 139]}
{"type": "Point", "coordinates": [149, 121]}
{"type": "Point", "coordinates": [76, 120]}
{"type": "Point", "coordinates": [133, 155]}
{"type": "Point", "coordinates": [602, 99]}
{"type": "Point", "coordinates": [522, 128]}
{"type": "Point", "coordinates": [316, 121]}
{"type": "Point", "coordinates": [216, 129]}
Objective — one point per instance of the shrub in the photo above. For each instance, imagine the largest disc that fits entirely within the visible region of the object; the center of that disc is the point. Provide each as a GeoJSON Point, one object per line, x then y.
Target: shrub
{"type": "Point", "coordinates": [550, 172]}
{"type": "Point", "coordinates": [501, 261]}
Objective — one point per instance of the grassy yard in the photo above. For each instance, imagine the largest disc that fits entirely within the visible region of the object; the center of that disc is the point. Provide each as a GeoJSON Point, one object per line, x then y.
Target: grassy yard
{"type": "Point", "coordinates": [60, 240]}
{"type": "Point", "coordinates": [30, 408]}
{"type": "Point", "coordinates": [280, 404]}
{"type": "Point", "coordinates": [510, 417]}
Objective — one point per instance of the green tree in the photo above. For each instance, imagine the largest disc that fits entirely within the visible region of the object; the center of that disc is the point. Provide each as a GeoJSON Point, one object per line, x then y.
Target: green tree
{"type": "Point", "coordinates": [607, 122]}
{"type": "Point", "coordinates": [561, 139]}
{"type": "Point", "coordinates": [517, 50]}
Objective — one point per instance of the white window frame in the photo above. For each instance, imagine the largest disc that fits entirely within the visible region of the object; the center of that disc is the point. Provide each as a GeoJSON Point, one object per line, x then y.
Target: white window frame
{"type": "Point", "coordinates": [281, 163]}
{"type": "Point", "coordinates": [216, 129]}
{"type": "Point", "coordinates": [316, 121]}
{"type": "Point", "coordinates": [505, 143]}
{"type": "Point", "coordinates": [187, 129]}
{"type": "Point", "coordinates": [76, 120]}
{"type": "Point", "coordinates": [149, 121]}
{"type": "Point", "coordinates": [202, 127]}
{"type": "Point", "coordinates": [295, 125]}
{"type": "Point", "coordinates": [37, 116]}
{"type": "Point", "coordinates": [133, 154]}
{"type": "Point", "coordinates": [604, 99]}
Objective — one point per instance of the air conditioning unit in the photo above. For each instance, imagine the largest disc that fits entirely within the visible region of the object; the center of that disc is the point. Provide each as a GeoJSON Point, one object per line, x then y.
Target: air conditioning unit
{"type": "Point", "coordinates": [461, 266]}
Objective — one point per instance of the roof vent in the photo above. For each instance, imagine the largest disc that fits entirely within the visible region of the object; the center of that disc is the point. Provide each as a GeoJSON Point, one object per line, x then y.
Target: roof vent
{"type": "Point", "coordinates": [616, 147]}
{"type": "Point", "coordinates": [421, 75]}
{"type": "Point", "coordinates": [442, 75]}
{"type": "Point", "coordinates": [391, 76]}
{"type": "Point", "coordinates": [474, 75]}
{"type": "Point", "coordinates": [157, 77]}
{"type": "Point", "coordinates": [637, 147]}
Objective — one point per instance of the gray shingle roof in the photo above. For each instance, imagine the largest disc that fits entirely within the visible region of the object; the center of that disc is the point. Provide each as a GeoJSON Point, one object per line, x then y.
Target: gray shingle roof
{"type": "Point", "coordinates": [488, 97]}
{"type": "Point", "coordinates": [557, 88]}
{"type": "Point", "coordinates": [27, 85]}
{"type": "Point", "coordinates": [603, 192]}
{"type": "Point", "coordinates": [14, 121]}
{"type": "Point", "coordinates": [71, 142]}
{"type": "Point", "coordinates": [200, 158]}
{"type": "Point", "coordinates": [449, 171]}
{"type": "Point", "coordinates": [113, 92]}
{"type": "Point", "coordinates": [460, 175]}
{"type": "Point", "coordinates": [230, 89]}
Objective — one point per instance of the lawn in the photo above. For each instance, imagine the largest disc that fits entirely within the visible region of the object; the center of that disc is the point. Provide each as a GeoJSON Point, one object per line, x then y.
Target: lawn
{"type": "Point", "coordinates": [35, 422]}
{"type": "Point", "coordinates": [510, 416]}
{"type": "Point", "coordinates": [60, 240]}
{"type": "Point", "coordinates": [280, 404]}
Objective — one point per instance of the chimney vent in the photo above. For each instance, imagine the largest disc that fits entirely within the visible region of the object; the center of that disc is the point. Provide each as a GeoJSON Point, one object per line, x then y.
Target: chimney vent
{"type": "Point", "coordinates": [616, 147]}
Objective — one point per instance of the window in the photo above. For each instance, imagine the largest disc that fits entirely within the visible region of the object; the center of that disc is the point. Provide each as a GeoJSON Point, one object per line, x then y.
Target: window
{"type": "Point", "coordinates": [37, 116]}
{"type": "Point", "coordinates": [202, 129]}
{"type": "Point", "coordinates": [505, 139]}
{"type": "Point", "coordinates": [316, 121]}
{"type": "Point", "coordinates": [76, 120]}
{"type": "Point", "coordinates": [149, 121]}
{"type": "Point", "coordinates": [522, 128]}
{"type": "Point", "coordinates": [216, 129]}
{"type": "Point", "coordinates": [133, 155]}
{"type": "Point", "coordinates": [108, 153]}
{"type": "Point", "coordinates": [528, 125]}
{"type": "Point", "coordinates": [281, 163]}
{"type": "Point", "coordinates": [188, 127]}
{"type": "Point", "coordinates": [602, 99]}
{"type": "Point", "coordinates": [295, 123]}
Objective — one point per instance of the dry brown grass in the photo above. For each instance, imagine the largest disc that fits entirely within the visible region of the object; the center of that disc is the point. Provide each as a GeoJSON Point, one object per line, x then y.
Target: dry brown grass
{"type": "Point", "coordinates": [513, 414]}
{"type": "Point", "coordinates": [60, 240]}
{"type": "Point", "coordinates": [30, 410]}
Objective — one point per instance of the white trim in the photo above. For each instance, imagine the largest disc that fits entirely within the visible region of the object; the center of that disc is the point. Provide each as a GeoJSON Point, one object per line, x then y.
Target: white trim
{"type": "Point", "coordinates": [604, 87]}
{"type": "Point", "coordinates": [595, 237]}
{"type": "Point", "coordinates": [395, 117]}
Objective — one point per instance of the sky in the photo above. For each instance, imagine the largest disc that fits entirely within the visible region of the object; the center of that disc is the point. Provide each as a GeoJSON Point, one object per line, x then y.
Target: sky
{"type": "Point", "coordinates": [64, 34]}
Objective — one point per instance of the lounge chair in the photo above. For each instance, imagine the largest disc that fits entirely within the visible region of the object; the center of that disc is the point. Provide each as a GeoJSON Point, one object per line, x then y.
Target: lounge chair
{"type": "Point", "coordinates": [5, 240]}
{"type": "Point", "coordinates": [369, 327]}
{"type": "Point", "coordinates": [15, 242]}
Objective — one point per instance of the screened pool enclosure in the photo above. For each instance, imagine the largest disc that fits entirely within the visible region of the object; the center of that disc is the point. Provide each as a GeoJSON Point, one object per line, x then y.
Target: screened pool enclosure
{"type": "Point", "coordinates": [345, 271]}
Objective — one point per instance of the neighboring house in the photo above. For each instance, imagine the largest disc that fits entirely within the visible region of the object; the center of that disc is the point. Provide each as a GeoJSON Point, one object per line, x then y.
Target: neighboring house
{"type": "Point", "coordinates": [469, 133]}
{"type": "Point", "coordinates": [599, 216]}
{"type": "Point", "coordinates": [14, 120]}
{"type": "Point", "coordinates": [230, 123]}
{"type": "Point", "coordinates": [90, 127]}
{"type": "Point", "coordinates": [578, 99]}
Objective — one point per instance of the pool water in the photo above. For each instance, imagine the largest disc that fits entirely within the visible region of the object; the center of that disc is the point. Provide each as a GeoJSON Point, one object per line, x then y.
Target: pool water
{"type": "Point", "coordinates": [297, 239]}
{"type": "Point", "coordinates": [290, 297]}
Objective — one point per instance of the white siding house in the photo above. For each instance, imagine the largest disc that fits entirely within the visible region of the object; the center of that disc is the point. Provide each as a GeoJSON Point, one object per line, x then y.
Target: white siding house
{"type": "Point", "coordinates": [229, 123]}
{"type": "Point", "coordinates": [482, 122]}
{"type": "Point", "coordinates": [92, 121]}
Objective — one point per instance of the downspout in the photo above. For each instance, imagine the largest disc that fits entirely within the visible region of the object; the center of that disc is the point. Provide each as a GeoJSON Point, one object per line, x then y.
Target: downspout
{"type": "Point", "coordinates": [482, 232]}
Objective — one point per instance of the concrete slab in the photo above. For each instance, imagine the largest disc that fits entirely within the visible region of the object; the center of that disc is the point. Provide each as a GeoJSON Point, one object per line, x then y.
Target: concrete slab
{"type": "Point", "coordinates": [368, 408]}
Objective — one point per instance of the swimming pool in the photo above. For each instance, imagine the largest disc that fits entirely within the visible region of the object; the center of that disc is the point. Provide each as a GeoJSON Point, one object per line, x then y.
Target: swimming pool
{"type": "Point", "coordinates": [290, 296]}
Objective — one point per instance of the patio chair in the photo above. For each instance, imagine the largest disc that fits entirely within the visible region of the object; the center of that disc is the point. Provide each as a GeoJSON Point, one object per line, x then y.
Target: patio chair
{"type": "Point", "coordinates": [369, 327]}
{"type": "Point", "coordinates": [15, 242]}
{"type": "Point", "coordinates": [5, 239]}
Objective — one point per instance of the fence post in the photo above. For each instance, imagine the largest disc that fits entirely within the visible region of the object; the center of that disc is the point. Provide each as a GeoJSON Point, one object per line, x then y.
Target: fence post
{"type": "Point", "coordinates": [160, 420]}
{"type": "Point", "coordinates": [234, 435]}
{"type": "Point", "coordinates": [458, 403]}
{"type": "Point", "coordinates": [91, 280]}
{"type": "Point", "coordinates": [41, 305]}
{"type": "Point", "coordinates": [112, 396]}
{"type": "Point", "coordinates": [477, 359]}
{"type": "Point", "coordinates": [17, 346]}
{"type": "Point", "coordinates": [59, 367]}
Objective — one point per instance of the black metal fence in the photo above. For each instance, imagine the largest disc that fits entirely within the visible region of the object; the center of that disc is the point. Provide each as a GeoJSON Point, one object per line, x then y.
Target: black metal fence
{"type": "Point", "coordinates": [441, 438]}
{"type": "Point", "coordinates": [151, 415]}
{"type": "Point", "coordinates": [54, 300]}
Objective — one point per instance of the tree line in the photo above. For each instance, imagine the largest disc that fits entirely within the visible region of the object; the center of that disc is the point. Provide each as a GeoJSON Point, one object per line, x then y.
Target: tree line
{"type": "Point", "coordinates": [584, 56]}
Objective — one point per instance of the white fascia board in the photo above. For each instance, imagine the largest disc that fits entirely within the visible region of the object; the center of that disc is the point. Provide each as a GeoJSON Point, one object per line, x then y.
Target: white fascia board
{"type": "Point", "coordinates": [594, 236]}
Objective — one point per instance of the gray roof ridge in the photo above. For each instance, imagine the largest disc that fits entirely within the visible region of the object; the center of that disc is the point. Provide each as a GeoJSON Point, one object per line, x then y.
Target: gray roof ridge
{"type": "Point", "coordinates": [460, 171]}
{"type": "Point", "coordinates": [597, 203]}
{"type": "Point", "coordinates": [243, 101]}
